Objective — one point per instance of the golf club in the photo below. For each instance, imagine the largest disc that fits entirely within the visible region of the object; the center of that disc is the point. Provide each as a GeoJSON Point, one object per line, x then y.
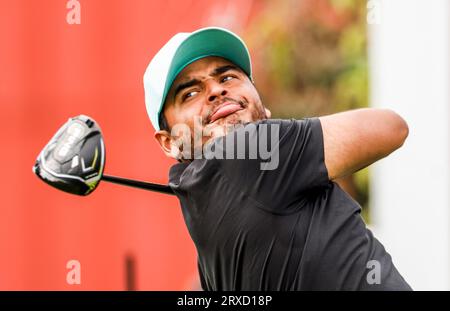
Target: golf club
{"type": "Point", "coordinates": [74, 160]}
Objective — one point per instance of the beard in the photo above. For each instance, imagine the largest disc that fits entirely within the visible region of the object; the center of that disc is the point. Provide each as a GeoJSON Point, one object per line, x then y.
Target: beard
{"type": "Point", "coordinates": [206, 132]}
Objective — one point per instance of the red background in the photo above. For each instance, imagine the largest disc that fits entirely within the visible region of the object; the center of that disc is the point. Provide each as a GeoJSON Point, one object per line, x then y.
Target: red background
{"type": "Point", "coordinates": [50, 71]}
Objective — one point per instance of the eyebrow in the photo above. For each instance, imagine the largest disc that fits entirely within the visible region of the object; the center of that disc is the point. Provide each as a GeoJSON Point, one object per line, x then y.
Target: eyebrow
{"type": "Point", "coordinates": [216, 72]}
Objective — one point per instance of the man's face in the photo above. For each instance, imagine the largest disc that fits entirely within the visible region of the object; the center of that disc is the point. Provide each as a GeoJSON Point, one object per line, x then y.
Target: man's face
{"type": "Point", "coordinates": [210, 95]}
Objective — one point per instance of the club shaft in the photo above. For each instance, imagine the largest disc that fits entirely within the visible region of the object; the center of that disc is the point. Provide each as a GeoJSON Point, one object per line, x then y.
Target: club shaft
{"type": "Point", "coordinates": [138, 184]}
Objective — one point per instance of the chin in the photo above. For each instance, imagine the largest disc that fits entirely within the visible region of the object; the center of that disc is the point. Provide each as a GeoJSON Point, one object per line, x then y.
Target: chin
{"type": "Point", "coordinates": [236, 118]}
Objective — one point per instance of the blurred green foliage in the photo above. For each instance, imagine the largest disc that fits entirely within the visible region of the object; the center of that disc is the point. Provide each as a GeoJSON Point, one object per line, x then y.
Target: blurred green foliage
{"type": "Point", "coordinates": [310, 59]}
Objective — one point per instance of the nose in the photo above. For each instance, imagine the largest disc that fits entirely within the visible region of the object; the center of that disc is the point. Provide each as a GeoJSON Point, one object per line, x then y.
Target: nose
{"type": "Point", "coordinates": [216, 90]}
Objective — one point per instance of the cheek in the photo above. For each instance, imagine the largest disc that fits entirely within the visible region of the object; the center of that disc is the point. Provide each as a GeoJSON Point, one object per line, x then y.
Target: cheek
{"type": "Point", "coordinates": [171, 117]}
{"type": "Point", "coordinates": [255, 105]}
{"type": "Point", "coordinates": [250, 93]}
{"type": "Point", "coordinates": [181, 115]}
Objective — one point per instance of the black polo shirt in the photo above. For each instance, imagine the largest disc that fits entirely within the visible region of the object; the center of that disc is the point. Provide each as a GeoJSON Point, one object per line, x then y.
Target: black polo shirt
{"type": "Point", "coordinates": [284, 228]}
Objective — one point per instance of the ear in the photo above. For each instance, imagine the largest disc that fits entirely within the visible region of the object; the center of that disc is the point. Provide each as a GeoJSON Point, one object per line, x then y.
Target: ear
{"type": "Point", "coordinates": [165, 142]}
{"type": "Point", "coordinates": [268, 113]}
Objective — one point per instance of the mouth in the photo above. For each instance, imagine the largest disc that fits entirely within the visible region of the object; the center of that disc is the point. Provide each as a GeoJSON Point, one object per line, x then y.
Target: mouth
{"type": "Point", "coordinates": [225, 110]}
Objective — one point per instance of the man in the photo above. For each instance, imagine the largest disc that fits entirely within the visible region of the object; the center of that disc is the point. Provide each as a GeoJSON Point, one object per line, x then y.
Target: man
{"type": "Point", "coordinates": [283, 226]}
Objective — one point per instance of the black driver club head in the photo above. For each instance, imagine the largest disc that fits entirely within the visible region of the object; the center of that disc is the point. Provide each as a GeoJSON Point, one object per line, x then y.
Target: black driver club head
{"type": "Point", "coordinates": [74, 159]}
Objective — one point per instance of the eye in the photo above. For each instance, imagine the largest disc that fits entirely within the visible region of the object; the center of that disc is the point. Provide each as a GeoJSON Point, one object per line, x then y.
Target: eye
{"type": "Point", "coordinates": [227, 78]}
{"type": "Point", "coordinates": [188, 95]}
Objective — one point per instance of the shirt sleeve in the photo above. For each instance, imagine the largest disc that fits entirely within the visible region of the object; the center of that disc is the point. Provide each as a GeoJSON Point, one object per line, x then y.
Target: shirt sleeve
{"type": "Point", "coordinates": [295, 167]}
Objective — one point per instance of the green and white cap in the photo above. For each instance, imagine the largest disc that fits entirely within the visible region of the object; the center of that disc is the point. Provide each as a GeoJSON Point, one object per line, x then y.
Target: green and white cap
{"type": "Point", "coordinates": [180, 51]}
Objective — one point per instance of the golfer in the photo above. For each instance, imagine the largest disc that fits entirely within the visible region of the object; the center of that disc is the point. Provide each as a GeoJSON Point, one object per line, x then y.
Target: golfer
{"type": "Point", "coordinates": [271, 217]}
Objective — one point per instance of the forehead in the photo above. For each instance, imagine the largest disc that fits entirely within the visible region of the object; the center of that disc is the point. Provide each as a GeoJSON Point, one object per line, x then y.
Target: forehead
{"type": "Point", "coordinates": [201, 68]}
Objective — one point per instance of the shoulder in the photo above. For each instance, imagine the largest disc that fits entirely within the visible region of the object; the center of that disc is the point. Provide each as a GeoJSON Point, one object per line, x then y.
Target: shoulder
{"type": "Point", "coordinates": [272, 131]}
{"type": "Point", "coordinates": [285, 124]}
{"type": "Point", "coordinates": [278, 125]}
{"type": "Point", "coordinates": [286, 129]}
